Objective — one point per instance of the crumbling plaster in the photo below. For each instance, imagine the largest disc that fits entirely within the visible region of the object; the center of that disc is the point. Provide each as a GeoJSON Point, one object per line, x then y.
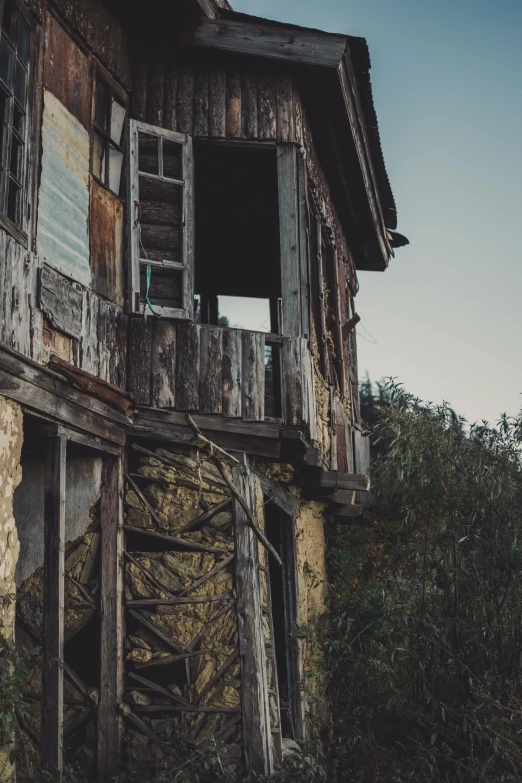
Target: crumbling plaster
{"type": "Point", "coordinates": [11, 437]}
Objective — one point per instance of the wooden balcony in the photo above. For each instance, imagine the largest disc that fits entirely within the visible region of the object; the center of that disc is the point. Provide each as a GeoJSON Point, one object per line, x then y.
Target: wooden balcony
{"type": "Point", "coordinates": [235, 374]}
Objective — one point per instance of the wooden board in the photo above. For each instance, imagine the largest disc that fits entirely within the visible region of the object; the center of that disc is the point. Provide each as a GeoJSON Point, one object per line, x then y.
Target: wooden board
{"type": "Point", "coordinates": [232, 352]}
{"type": "Point", "coordinates": [281, 42]}
{"type": "Point", "coordinates": [140, 359]}
{"type": "Point", "coordinates": [211, 374]}
{"type": "Point", "coordinates": [289, 238]}
{"type": "Point", "coordinates": [254, 690]}
{"type": "Point", "coordinates": [253, 376]}
{"type": "Point", "coordinates": [187, 371]}
{"type": "Point", "coordinates": [51, 746]}
{"type": "Point", "coordinates": [112, 631]}
{"type": "Point", "coordinates": [61, 300]}
{"type": "Point", "coordinates": [163, 364]}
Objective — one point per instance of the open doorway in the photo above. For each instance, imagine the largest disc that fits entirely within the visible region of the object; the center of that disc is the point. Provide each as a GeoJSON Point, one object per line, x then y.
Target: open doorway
{"type": "Point", "coordinates": [279, 528]}
{"type": "Point", "coordinates": [238, 272]}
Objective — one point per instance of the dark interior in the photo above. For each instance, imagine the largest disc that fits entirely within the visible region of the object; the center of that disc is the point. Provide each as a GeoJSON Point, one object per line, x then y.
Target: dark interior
{"type": "Point", "coordinates": [237, 227]}
{"type": "Point", "coordinates": [276, 528]}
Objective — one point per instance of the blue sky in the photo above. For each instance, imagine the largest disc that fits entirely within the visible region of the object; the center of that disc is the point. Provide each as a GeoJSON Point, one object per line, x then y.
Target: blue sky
{"type": "Point", "coordinates": [447, 78]}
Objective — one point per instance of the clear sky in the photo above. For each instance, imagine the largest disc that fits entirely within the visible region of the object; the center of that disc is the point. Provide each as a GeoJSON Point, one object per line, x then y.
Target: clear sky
{"type": "Point", "coordinates": [447, 79]}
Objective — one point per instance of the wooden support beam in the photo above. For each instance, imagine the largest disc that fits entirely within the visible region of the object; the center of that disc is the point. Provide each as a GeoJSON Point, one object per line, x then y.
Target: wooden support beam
{"type": "Point", "coordinates": [277, 42]}
{"type": "Point", "coordinates": [254, 688]}
{"type": "Point", "coordinates": [44, 391]}
{"type": "Point", "coordinates": [51, 748]}
{"type": "Point", "coordinates": [112, 632]}
{"type": "Point", "coordinates": [287, 180]}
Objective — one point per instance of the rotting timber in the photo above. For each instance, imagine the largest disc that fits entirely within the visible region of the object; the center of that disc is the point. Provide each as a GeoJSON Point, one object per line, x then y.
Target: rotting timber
{"type": "Point", "coordinates": [182, 220]}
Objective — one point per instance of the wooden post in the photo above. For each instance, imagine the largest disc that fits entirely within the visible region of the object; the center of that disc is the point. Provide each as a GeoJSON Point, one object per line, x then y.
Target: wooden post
{"type": "Point", "coordinates": [289, 238]}
{"type": "Point", "coordinates": [254, 687]}
{"type": "Point", "coordinates": [111, 610]}
{"type": "Point", "coordinates": [51, 748]}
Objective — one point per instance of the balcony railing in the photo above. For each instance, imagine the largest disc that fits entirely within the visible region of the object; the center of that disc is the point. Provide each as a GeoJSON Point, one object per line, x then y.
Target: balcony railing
{"type": "Point", "coordinates": [237, 374]}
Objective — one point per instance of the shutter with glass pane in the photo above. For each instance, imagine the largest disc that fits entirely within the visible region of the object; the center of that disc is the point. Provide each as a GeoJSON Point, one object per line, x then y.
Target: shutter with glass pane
{"type": "Point", "coordinates": [160, 209]}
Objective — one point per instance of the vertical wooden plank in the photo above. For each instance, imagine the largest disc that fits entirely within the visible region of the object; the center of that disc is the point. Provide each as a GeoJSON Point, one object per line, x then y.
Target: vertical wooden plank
{"type": "Point", "coordinates": [139, 355]}
{"type": "Point", "coordinates": [253, 376]}
{"type": "Point", "coordinates": [139, 94]}
{"type": "Point", "coordinates": [155, 91]}
{"type": "Point", "coordinates": [210, 377]}
{"type": "Point", "coordinates": [170, 112]}
{"type": "Point", "coordinates": [185, 98]}
{"type": "Point", "coordinates": [303, 245]}
{"type": "Point", "coordinates": [266, 108]}
{"type": "Point", "coordinates": [254, 689]}
{"type": "Point", "coordinates": [133, 198]}
{"type": "Point", "coordinates": [217, 96]}
{"type": "Point", "coordinates": [187, 367]}
{"type": "Point", "coordinates": [163, 364]}
{"type": "Point", "coordinates": [233, 108]}
{"type": "Point", "coordinates": [289, 238]}
{"type": "Point", "coordinates": [51, 747]}
{"type": "Point", "coordinates": [324, 348]}
{"type": "Point", "coordinates": [309, 402]}
{"type": "Point", "coordinates": [333, 430]}
{"type": "Point", "coordinates": [285, 110]}
{"type": "Point", "coordinates": [111, 611]}
{"type": "Point", "coordinates": [232, 373]}
{"type": "Point", "coordinates": [188, 228]}
{"type": "Point", "coordinates": [292, 382]}
{"type": "Point", "coordinates": [201, 103]}
{"type": "Point", "coordinates": [249, 106]}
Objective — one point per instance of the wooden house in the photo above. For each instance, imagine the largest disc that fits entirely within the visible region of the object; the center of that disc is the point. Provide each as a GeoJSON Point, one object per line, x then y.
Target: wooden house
{"type": "Point", "coordinates": [186, 196]}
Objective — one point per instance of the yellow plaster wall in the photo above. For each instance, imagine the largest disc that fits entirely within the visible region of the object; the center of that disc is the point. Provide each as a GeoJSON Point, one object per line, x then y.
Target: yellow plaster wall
{"type": "Point", "coordinates": [11, 436]}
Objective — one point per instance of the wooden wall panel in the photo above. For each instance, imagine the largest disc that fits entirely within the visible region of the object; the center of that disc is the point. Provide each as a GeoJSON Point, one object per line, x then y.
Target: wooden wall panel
{"type": "Point", "coordinates": [213, 102]}
{"type": "Point", "coordinates": [211, 370]}
{"type": "Point", "coordinates": [140, 359]}
{"type": "Point", "coordinates": [253, 377]}
{"type": "Point", "coordinates": [106, 243]}
{"type": "Point", "coordinates": [21, 318]}
{"type": "Point", "coordinates": [66, 71]}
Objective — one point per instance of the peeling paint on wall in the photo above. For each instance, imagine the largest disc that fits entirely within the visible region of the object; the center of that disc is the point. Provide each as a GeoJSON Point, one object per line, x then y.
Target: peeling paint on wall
{"type": "Point", "coordinates": [63, 212]}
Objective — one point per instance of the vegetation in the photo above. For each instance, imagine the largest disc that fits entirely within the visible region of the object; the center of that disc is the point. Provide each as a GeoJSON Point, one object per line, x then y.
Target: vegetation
{"type": "Point", "coordinates": [426, 620]}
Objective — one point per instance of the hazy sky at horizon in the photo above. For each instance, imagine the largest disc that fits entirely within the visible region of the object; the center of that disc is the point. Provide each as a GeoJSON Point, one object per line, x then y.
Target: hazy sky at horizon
{"type": "Point", "coordinates": [447, 82]}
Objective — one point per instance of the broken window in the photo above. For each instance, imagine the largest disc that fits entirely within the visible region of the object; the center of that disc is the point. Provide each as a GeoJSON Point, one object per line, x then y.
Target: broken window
{"type": "Point", "coordinates": [108, 130]}
{"type": "Point", "coordinates": [238, 274]}
{"type": "Point", "coordinates": [15, 38]}
{"type": "Point", "coordinates": [161, 225]}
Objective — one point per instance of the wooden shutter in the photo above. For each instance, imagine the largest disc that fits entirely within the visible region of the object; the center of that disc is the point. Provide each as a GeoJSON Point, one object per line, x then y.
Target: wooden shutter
{"type": "Point", "coordinates": [161, 221]}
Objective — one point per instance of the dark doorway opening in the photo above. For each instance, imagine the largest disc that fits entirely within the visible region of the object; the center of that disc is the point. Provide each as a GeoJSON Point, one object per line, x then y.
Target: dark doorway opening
{"type": "Point", "coordinates": [279, 528]}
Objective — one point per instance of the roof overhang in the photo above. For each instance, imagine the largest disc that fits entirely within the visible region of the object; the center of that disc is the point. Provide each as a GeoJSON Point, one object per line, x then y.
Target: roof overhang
{"type": "Point", "coordinates": [333, 73]}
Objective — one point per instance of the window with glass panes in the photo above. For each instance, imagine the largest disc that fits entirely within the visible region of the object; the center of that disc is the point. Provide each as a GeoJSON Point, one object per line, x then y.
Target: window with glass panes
{"type": "Point", "coordinates": [107, 137]}
{"type": "Point", "coordinates": [15, 39]}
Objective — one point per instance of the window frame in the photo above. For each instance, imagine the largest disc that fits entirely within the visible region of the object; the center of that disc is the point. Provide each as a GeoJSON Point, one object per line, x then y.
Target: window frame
{"type": "Point", "coordinates": [186, 266]}
{"type": "Point", "coordinates": [99, 73]}
{"type": "Point", "coordinates": [18, 230]}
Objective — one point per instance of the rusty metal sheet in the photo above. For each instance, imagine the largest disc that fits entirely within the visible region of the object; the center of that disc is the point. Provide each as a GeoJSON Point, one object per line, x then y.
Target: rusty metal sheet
{"type": "Point", "coordinates": [66, 71]}
{"type": "Point", "coordinates": [106, 233]}
{"type": "Point", "coordinates": [63, 209]}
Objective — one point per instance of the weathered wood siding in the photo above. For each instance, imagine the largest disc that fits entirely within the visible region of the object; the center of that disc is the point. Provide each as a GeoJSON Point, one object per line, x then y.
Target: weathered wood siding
{"type": "Point", "coordinates": [211, 370]}
{"type": "Point", "coordinates": [212, 101]}
{"type": "Point", "coordinates": [21, 319]}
